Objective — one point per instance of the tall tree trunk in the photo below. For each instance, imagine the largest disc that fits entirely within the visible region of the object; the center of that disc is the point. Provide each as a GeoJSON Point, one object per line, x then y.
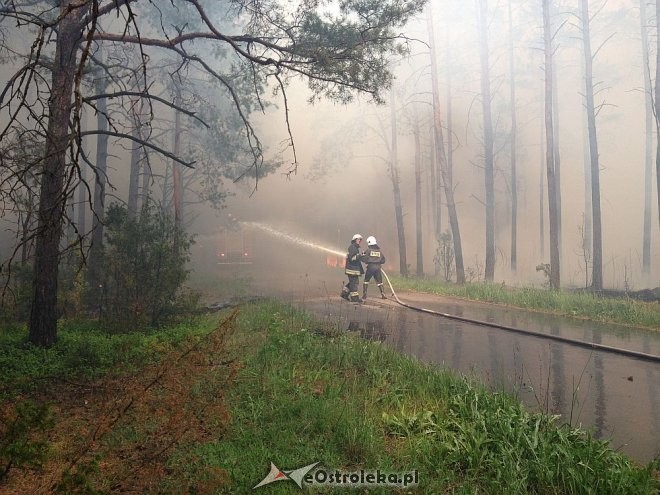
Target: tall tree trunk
{"type": "Point", "coordinates": [657, 103]}
{"type": "Point", "coordinates": [136, 148]}
{"type": "Point", "coordinates": [82, 202]}
{"type": "Point", "coordinates": [98, 209]}
{"type": "Point", "coordinates": [648, 144]}
{"type": "Point", "coordinates": [557, 157]}
{"type": "Point", "coordinates": [597, 272]}
{"type": "Point", "coordinates": [146, 179]}
{"type": "Point", "coordinates": [396, 190]}
{"type": "Point", "coordinates": [418, 201]}
{"type": "Point", "coordinates": [587, 241]}
{"type": "Point", "coordinates": [434, 192]}
{"type": "Point", "coordinates": [555, 279]}
{"type": "Point", "coordinates": [489, 176]}
{"type": "Point", "coordinates": [52, 199]}
{"type": "Point", "coordinates": [176, 170]}
{"type": "Point", "coordinates": [82, 188]}
{"type": "Point", "coordinates": [514, 138]}
{"type": "Point", "coordinates": [443, 171]}
{"type": "Point", "coordinates": [542, 196]}
{"type": "Point", "coordinates": [555, 139]}
{"type": "Point", "coordinates": [25, 221]}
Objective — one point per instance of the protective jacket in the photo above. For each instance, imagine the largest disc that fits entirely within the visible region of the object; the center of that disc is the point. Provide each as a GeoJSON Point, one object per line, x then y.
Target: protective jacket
{"type": "Point", "coordinates": [373, 257]}
{"type": "Point", "coordinates": [353, 263]}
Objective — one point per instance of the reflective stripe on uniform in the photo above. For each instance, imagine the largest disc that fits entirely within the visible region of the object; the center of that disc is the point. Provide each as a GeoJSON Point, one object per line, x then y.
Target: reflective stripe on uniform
{"type": "Point", "coordinates": [353, 272]}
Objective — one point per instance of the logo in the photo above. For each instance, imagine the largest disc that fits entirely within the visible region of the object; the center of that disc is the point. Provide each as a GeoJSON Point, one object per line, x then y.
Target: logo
{"type": "Point", "coordinates": [320, 476]}
{"type": "Point", "coordinates": [295, 475]}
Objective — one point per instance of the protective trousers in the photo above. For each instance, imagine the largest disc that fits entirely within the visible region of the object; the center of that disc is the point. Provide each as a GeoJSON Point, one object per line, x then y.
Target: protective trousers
{"type": "Point", "coordinates": [365, 288]}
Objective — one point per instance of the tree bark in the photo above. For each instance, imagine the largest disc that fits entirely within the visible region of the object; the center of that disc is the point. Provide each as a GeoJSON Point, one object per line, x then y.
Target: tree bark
{"type": "Point", "coordinates": [52, 199]}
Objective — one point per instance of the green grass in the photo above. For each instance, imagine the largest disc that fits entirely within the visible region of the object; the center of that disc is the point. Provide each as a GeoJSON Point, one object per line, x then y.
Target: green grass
{"type": "Point", "coordinates": [303, 391]}
{"type": "Point", "coordinates": [307, 394]}
{"type": "Point", "coordinates": [575, 304]}
{"type": "Point", "coordinates": [83, 351]}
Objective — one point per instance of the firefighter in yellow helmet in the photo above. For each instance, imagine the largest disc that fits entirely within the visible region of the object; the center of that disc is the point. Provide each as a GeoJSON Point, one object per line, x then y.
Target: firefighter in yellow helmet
{"type": "Point", "coordinates": [374, 258]}
{"type": "Point", "coordinates": [353, 269]}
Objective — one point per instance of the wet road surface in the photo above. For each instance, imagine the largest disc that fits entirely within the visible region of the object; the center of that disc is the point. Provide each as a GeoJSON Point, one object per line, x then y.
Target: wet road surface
{"type": "Point", "coordinates": [616, 397]}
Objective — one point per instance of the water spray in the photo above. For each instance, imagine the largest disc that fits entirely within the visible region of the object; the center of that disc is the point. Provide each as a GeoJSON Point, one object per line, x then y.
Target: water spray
{"type": "Point", "coordinates": [292, 238]}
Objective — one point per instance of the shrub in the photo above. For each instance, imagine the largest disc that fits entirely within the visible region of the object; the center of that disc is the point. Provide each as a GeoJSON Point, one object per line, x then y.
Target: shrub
{"type": "Point", "coordinates": [144, 266]}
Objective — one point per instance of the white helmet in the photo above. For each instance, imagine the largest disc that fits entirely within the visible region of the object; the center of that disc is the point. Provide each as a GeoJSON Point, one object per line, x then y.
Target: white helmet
{"type": "Point", "coordinates": [371, 241]}
{"type": "Point", "coordinates": [357, 236]}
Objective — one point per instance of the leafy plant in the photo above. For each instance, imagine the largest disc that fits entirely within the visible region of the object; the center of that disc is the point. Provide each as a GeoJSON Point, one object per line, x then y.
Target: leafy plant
{"type": "Point", "coordinates": [145, 266]}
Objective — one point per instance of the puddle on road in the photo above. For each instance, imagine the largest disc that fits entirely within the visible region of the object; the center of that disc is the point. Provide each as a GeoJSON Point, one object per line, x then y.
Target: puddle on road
{"type": "Point", "coordinates": [614, 396]}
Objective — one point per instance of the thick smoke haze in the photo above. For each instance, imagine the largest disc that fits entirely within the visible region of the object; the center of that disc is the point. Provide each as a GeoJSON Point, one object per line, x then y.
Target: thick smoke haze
{"type": "Point", "coordinates": [342, 157]}
{"type": "Point", "coordinates": [351, 143]}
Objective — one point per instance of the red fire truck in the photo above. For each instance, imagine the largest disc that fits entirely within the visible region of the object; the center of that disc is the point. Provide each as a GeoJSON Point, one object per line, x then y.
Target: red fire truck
{"type": "Point", "coordinates": [234, 247]}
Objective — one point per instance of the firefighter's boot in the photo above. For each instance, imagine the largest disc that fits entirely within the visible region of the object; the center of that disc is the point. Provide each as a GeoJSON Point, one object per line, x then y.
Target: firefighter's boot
{"type": "Point", "coordinates": [365, 287]}
{"type": "Point", "coordinates": [382, 292]}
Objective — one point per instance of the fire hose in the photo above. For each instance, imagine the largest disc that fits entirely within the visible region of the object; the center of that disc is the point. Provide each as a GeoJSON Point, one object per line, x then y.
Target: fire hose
{"type": "Point", "coordinates": [558, 338]}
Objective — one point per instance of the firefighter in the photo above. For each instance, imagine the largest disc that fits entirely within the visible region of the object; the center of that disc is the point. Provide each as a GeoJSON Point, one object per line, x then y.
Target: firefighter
{"type": "Point", "coordinates": [353, 269]}
{"type": "Point", "coordinates": [374, 258]}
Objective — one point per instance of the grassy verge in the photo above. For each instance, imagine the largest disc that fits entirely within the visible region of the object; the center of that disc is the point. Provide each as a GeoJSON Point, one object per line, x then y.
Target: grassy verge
{"type": "Point", "coordinates": [575, 304]}
{"type": "Point", "coordinates": [207, 411]}
{"type": "Point", "coordinates": [308, 394]}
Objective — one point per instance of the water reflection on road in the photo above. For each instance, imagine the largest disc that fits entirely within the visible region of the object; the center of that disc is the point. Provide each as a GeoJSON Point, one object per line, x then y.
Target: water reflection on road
{"type": "Point", "coordinates": [615, 396]}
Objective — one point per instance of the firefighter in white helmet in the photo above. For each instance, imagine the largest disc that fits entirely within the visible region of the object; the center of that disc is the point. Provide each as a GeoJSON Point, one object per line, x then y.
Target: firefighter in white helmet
{"type": "Point", "coordinates": [374, 258]}
{"type": "Point", "coordinates": [353, 269]}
